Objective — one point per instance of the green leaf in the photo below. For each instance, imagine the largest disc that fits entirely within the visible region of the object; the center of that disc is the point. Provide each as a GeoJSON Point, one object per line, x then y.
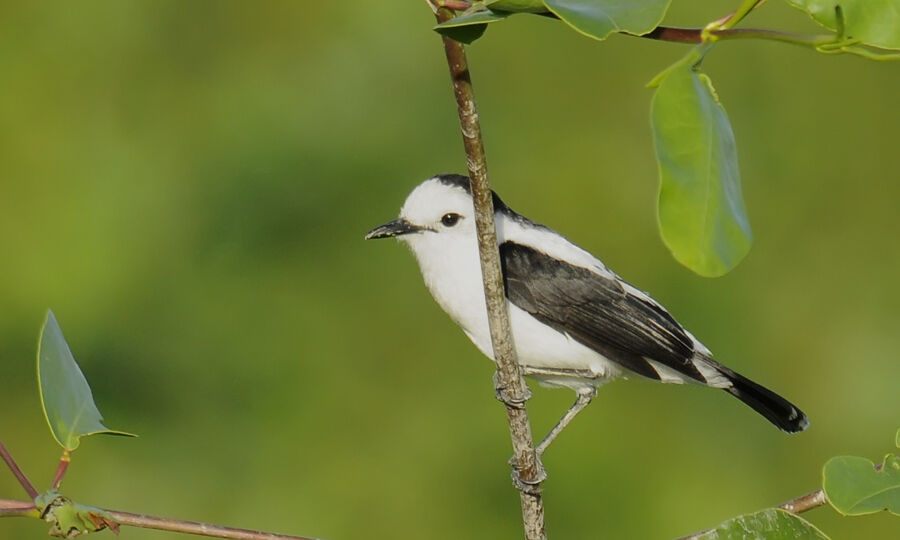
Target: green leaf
{"type": "Point", "coordinates": [872, 22]}
{"type": "Point", "coordinates": [599, 18]}
{"type": "Point", "coordinates": [65, 395]}
{"type": "Point", "coordinates": [517, 6]}
{"type": "Point", "coordinates": [771, 524]}
{"type": "Point", "coordinates": [470, 26]}
{"type": "Point", "coordinates": [702, 218]}
{"type": "Point", "coordinates": [854, 487]}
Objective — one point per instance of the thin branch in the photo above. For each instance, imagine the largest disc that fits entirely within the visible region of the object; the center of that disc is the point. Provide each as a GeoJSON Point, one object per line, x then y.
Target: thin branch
{"type": "Point", "coordinates": [695, 35]}
{"type": "Point", "coordinates": [61, 470]}
{"type": "Point", "coordinates": [742, 11]}
{"type": "Point", "coordinates": [508, 381]}
{"type": "Point", "coordinates": [801, 504]}
{"type": "Point", "coordinates": [28, 509]}
{"type": "Point", "coordinates": [10, 508]}
{"type": "Point", "coordinates": [194, 527]}
{"type": "Point", "coordinates": [798, 505]}
{"type": "Point", "coordinates": [17, 472]}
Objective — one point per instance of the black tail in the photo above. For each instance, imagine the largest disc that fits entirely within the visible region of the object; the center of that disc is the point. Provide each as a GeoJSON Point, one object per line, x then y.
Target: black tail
{"type": "Point", "coordinates": [775, 408]}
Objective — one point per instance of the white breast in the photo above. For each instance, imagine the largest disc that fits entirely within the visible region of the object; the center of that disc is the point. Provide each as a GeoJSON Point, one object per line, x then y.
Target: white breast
{"type": "Point", "coordinates": [452, 272]}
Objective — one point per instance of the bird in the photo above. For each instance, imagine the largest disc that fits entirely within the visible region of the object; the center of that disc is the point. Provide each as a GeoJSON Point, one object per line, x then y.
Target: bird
{"type": "Point", "coordinates": [575, 323]}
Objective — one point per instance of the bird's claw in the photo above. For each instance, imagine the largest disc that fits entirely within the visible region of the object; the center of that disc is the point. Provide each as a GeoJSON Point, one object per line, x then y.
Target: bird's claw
{"type": "Point", "coordinates": [503, 395]}
{"type": "Point", "coordinates": [532, 484]}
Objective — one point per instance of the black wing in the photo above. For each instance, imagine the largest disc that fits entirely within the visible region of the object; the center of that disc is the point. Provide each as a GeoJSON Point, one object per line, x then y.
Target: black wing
{"type": "Point", "coordinates": [597, 311]}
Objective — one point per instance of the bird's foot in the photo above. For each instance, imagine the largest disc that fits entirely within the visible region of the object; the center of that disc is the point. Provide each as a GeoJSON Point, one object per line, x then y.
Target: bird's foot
{"type": "Point", "coordinates": [503, 395]}
{"type": "Point", "coordinates": [528, 481]}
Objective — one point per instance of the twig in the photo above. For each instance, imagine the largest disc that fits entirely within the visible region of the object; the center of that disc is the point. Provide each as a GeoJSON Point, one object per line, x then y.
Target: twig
{"type": "Point", "coordinates": [806, 502]}
{"type": "Point", "coordinates": [695, 35]}
{"type": "Point", "coordinates": [798, 505]}
{"type": "Point", "coordinates": [17, 472]}
{"type": "Point", "coordinates": [61, 470]}
{"type": "Point", "coordinates": [28, 509]}
{"type": "Point", "coordinates": [10, 508]}
{"type": "Point", "coordinates": [508, 380]}
{"type": "Point", "coordinates": [194, 527]}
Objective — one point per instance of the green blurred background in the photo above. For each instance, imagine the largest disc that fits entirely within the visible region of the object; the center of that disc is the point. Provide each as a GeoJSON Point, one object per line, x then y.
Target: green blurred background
{"type": "Point", "coordinates": [187, 185]}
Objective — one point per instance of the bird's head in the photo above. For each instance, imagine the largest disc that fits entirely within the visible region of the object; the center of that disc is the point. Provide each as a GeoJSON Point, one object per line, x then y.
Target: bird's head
{"type": "Point", "coordinates": [438, 211]}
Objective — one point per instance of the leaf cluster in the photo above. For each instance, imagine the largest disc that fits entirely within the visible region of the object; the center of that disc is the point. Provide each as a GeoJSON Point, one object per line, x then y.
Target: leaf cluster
{"type": "Point", "coordinates": [701, 213]}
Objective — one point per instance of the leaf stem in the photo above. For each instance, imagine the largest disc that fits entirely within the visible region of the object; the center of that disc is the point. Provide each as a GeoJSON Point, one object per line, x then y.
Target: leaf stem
{"type": "Point", "coordinates": [742, 11]}
{"type": "Point", "coordinates": [64, 461]}
{"type": "Point", "coordinates": [17, 472]}
{"type": "Point", "coordinates": [508, 382]}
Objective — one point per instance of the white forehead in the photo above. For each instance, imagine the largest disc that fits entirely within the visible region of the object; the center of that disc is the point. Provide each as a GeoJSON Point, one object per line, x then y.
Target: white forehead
{"type": "Point", "coordinates": [432, 199]}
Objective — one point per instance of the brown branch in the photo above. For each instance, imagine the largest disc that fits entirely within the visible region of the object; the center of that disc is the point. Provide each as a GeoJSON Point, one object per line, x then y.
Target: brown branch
{"type": "Point", "coordinates": [508, 381]}
{"type": "Point", "coordinates": [677, 35]}
{"type": "Point", "coordinates": [28, 509]}
{"type": "Point", "coordinates": [17, 472]}
{"type": "Point", "coordinates": [194, 527]}
{"type": "Point", "coordinates": [691, 35]}
{"type": "Point", "coordinates": [10, 508]}
{"type": "Point", "coordinates": [801, 504]}
{"type": "Point", "coordinates": [61, 470]}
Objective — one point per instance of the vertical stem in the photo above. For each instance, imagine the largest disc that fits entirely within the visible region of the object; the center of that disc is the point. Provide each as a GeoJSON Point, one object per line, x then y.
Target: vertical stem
{"type": "Point", "coordinates": [17, 472]}
{"type": "Point", "coordinates": [742, 11]}
{"type": "Point", "coordinates": [61, 470]}
{"type": "Point", "coordinates": [508, 380]}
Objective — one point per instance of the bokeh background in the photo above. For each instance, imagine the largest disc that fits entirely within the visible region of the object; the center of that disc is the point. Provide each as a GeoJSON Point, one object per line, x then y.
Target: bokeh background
{"type": "Point", "coordinates": [187, 185]}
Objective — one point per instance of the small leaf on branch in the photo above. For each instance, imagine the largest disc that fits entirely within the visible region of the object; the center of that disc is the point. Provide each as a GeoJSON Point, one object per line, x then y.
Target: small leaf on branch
{"type": "Point", "coordinates": [65, 395]}
{"type": "Point", "coordinates": [70, 519]}
{"type": "Point", "coordinates": [702, 218]}
{"type": "Point", "coordinates": [771, 524]}
{"type": "Point", "coordinates": [854, 486]}
{"type": "Point", "coordinates": [871, 22]}
{"type": "Point", "coordinates": [469, 26]}
{"type": "Point", "coordinates": [600, 18]}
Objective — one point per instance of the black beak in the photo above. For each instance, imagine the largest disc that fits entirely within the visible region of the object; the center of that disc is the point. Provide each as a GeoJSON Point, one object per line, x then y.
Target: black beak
{"type": "Point", "coordinates": [398, 227]}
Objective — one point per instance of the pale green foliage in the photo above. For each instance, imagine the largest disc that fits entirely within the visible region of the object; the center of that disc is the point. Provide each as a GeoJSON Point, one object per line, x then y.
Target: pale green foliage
{"type": "Point", "coordinates": [855, 487]}
{"type": "Point", "coordinates": [771, 524]}
{"type": "Point", "coordinates": [701, 210]}
{"type": "Point", "coordinates": [599, 19]}
{"type": "Point", "coordinates": [65, 395]}
{"type": "Point", "coordinates": [872, 22]}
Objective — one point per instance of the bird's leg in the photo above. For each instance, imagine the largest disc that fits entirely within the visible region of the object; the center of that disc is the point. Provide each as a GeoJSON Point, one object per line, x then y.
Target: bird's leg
{"type": "Point", "coordinates": [585, 395]}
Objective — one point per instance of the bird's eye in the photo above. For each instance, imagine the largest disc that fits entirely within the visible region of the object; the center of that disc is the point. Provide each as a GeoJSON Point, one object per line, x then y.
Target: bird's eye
{"type": "Point", "coordinates": [450, 219]}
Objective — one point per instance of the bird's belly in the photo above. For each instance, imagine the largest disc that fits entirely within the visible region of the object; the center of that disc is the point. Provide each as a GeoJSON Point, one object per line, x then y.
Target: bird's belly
{"type": "Point", "coordinates": [564, 361]}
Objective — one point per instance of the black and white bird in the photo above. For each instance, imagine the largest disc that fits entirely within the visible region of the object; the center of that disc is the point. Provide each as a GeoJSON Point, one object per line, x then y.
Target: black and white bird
{"type": "Point", "coordinates": [575, 323]}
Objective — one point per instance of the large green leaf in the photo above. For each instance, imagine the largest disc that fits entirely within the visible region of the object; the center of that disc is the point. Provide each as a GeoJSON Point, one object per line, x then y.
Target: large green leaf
{"type": "Point", "coordinates": [599, 18]}
{"type": "Point", "coordinates": [854, 486]}
{"type": "Point", "coordinates": [65, 395]}
{"type": "Point", "coordinates": [702, 217]}
{"type": "Point", "coordinates": [771, 524]}
{"type": "Point", "coordinates": [470, 26]}
{"type": "Point", "coordinates": [873, 22]}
